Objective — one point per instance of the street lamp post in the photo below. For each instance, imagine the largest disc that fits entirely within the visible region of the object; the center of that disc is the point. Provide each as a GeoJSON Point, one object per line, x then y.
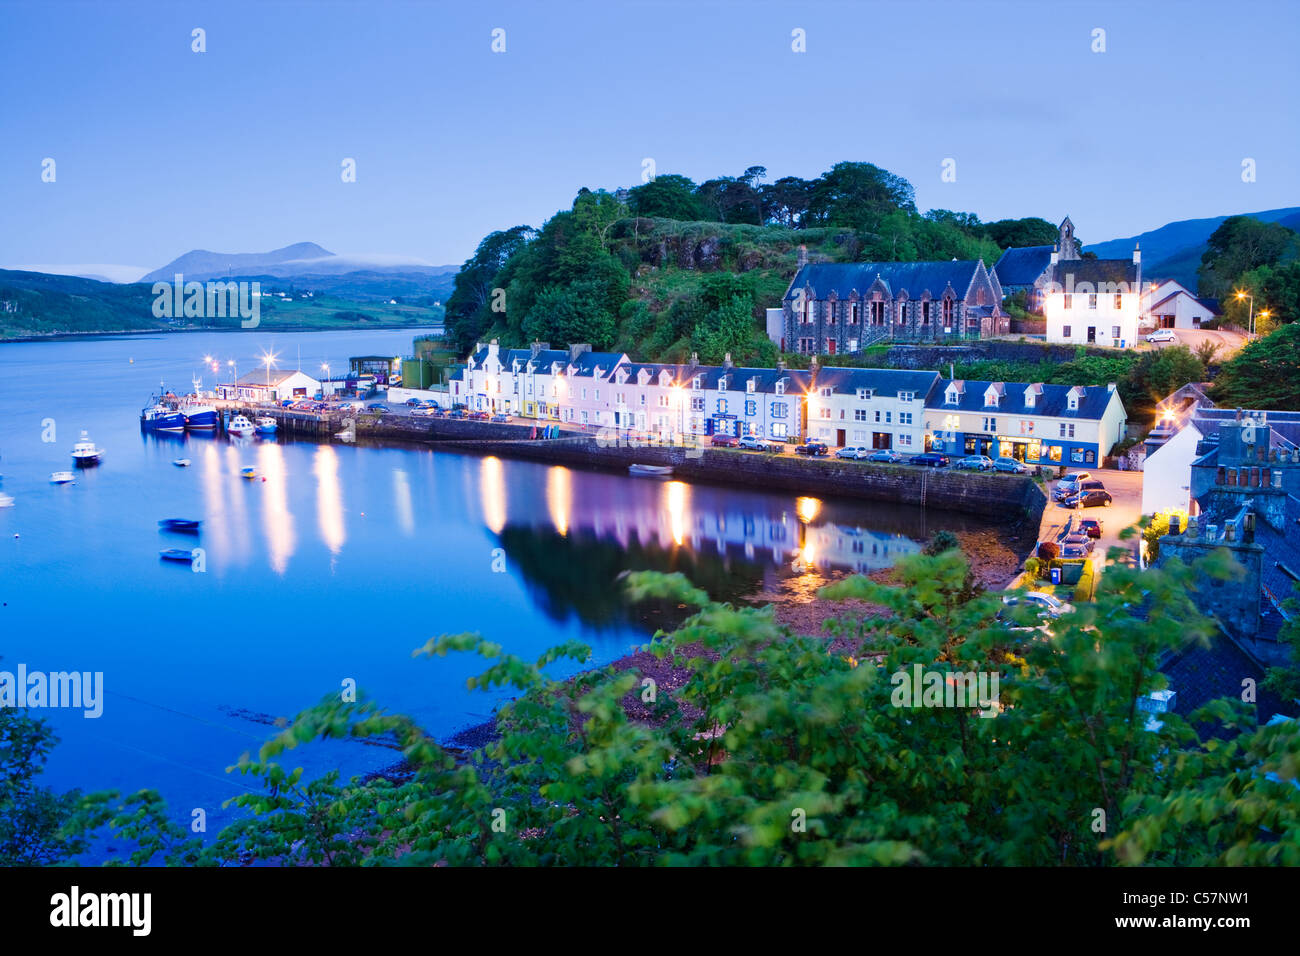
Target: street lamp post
{"type": "Point", "coordinates": [324, 367]}
{"type": "Point", "coordinates": [1251, 321]}
{"type": "Point", "coordinates": [234, 376]}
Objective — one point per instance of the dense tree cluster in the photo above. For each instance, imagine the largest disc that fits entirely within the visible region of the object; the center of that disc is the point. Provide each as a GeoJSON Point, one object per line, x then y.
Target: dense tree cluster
{"type": "Point", "coordinates": [627, 269]}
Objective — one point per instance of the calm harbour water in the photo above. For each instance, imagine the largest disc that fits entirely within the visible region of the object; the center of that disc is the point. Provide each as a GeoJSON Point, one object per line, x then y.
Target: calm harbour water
{"type": "Point", "coordinates": [337, 566]}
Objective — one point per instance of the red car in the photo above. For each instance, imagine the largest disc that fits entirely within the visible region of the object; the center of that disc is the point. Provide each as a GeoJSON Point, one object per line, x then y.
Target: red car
{"type": "Point", "coordinates": [724, 441]}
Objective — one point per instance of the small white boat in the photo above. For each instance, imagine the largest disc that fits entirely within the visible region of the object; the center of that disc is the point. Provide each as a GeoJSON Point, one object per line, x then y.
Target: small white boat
{"type": "Point", "coordinates": [6, 501]}
{"type": "Point", "coordinates": [62, 478]}
{"type": "Point", "coordinates": [651, 471]}
{"type": "Point", "coordinates": [248, 471]}
{"type": "Point", "coordinates": [239, 425]}
{"type": "Point", "coordinates": [85, 453]}
{"type": "Point", "coordinates": [181, 462]}
{"type": "Point", "coordinates": [266, 425]}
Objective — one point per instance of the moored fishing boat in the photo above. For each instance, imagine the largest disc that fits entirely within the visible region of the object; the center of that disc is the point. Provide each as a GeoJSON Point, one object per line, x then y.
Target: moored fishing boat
{"type": "Point", "coordinates": [248, 471]}
{"type": "Point", "coordinates": [199, 416]}
{"type": "Point", "coordinates": [159, 417]}
{"type": "Point", "coordinates": [265, 425]}
{"type": "Point", "coordinates": [651, 471]}
{"type": "Point", "coordinates": [6, 501]}
{"type": "Point", "coordinates": [62, 478]}
{"type": "Point", "coordinates": [176, 554]}
{"type": "Point", "coordinates": [181, 462]}
{"type": "Point", "coordinates": [85, 453]}
{"type": "Point", "coordinates": [239, 425]}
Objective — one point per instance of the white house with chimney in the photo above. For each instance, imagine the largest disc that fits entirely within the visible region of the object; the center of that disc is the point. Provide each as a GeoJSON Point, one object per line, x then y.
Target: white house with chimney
{"type": "Point", "coordinates": [1094, 301]}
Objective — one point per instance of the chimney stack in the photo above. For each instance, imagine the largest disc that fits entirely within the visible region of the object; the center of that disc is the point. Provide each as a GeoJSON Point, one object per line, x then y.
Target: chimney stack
{"type": "Point", "coordinates": [726, 360]}
{"type": "Point", "coordinates": [803, 256]}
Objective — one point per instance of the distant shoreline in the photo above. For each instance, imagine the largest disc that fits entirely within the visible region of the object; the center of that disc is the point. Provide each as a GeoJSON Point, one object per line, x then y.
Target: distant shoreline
{"type": "Point", "coordinates": [57, 336]}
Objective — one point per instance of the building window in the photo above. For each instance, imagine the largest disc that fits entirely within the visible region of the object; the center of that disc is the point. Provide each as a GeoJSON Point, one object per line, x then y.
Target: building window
{"type": "Point", "coordinates": [826, 393]}
{"type": "Point", "coordinates": [1026, 427]}
{"type": "Point", "coordinates": [1067, 430]}
{"type": "Point", "coordinates": [1068, 301]}
{"type": "Point", "coordinates": [780, 409]}
{"type": "Point", "coordinates": [697, 382]}
{"type": "Point", "coordinates": [779, 430]}
{"type": "Point", "coordinates": [889, 418]}
{"type": "Point", "coordinates": [1073, 403]}
{"type": "Point", "coordinates": [1114, 332]}
{"type": "Point", "coordinates": [1092, 301]}
{"type": "Point", "coordinates": [749, 386]}
{"type": "Point", "coordinates": [877, 414]}
{"type": "Point", "coordinates": [1054, 452]}
{"type": "Point", "coordinates": [905, 440]}
{"type": "Point", "coordinates": [722, 406]}
{"type": "Point", "coordinates": [864, 394]}
{"type": "Point", "coordinates": [825, 412]}
{"type": "Point", "coordinates": [859, 414]}
{"type": "Point", "coordinates": [877, 313]}
{"type": "Point", "coordinates": [904, 418]}
{"type": "Point", "coordinates": [853, 313]}
{"type": "Point", "coordinates": [906, 396]}
{"type": "Point", "coordinates": [990, 425]}
{"type": "Point", "coordinates": [584, 416]}
{"type": "Point", "coordinates": [1065, 332]}
{"type": "Point", "coordinates": [780, 388]}
{"type": "Point", "coordinates": [805, 346]}
{"type": "Point", "coordinates": [947, 311]}
{"type": "Point", "coordinates": [902, 312]}
{"type": "Point", "coordinates": [925, 312]}
{"type": "Point", "coordinates": [643, 399]}
{"type": "Point", "coordinates": [1119, 301]}
{"type": "Point", "coordinates": [697, 404]}
{"type": "Point", "coordinates": [663, 401]}
{"type": "Point", "coordinates": [751, 408]}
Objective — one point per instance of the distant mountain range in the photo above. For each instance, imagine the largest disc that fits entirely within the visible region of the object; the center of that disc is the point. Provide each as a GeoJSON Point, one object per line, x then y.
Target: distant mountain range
{"type": "Point", "coordinates": [313, 268]}
{"type": "Point", "coordinates": [1174, 250]}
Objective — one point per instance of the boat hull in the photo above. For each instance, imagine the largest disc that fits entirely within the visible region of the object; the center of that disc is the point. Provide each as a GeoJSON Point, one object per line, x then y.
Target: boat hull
{"type": "Point", "coordinates": [201, 421]}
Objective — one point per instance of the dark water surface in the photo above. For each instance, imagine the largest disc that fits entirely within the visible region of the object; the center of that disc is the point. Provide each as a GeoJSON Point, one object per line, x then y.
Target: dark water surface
{"type": "Point", "coordinates": [335, 567]}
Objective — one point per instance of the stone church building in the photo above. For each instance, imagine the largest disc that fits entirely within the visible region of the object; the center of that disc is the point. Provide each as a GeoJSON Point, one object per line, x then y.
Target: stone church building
{"type": "Point", "coordinates": [842, 308]}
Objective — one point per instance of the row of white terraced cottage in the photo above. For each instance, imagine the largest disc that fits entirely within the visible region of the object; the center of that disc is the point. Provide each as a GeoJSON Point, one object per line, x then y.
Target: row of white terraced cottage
{"type": "Point", "coordinates": [904, 410]}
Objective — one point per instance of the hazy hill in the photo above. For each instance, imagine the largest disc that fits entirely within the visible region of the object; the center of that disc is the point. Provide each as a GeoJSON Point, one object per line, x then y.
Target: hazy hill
{"type": "Point", "coordinates": [200, 264]}
{"type": "Point", "coordinates": [1174, 250]}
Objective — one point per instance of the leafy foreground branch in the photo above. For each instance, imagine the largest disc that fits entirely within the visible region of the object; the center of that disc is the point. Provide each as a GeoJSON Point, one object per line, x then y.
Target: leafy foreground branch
{"type": "Point", "coordinates": [775, 751]}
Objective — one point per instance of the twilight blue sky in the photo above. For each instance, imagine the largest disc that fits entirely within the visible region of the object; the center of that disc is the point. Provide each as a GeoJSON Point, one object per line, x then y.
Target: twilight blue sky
{"type": "Point", "coordinates": [160, 150]}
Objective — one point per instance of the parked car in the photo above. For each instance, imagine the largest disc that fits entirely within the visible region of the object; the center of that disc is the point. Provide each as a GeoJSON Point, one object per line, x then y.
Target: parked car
{"type": "Point", "coordinates": [975, 463]}
{"type": "Point", "coordinates": [1080, 538]}
{"type": "Point", "coordinates": [415, 402]}
{"type": "Point", "coordinates": [1010, 465]}
{"type": "Point", "coordinates": [885, 455]}
{"type": "Point", "coordinates": [855, 452]}
{"type": "Point", "coordinates": [930, 459]}
{"type": "Point", "coordinates": [377, 407]}
{"type": "Point", "coordinates": [426, 412]}
{"type": "Point", "coordinates": [813, 449]}
{"type": "Point", "coordinates": [1091, 527]}
{"type": "Point", "coordinates": [1068, 486]}
{"type": "Point", "coordinates": [1091, 494]}
{"type": "Point", "coordinates": [1045, 604]}
{"type": "Point", "coordinates": [754, 443]}
{"type": "Point", "coordinates": [480, 416]}
{"type": "Point", "coordinates": [500, 419]}
{"type": "Point", "coordinates": [1162, 335]}
{"type": "Point", "coordinates": [724, 441]}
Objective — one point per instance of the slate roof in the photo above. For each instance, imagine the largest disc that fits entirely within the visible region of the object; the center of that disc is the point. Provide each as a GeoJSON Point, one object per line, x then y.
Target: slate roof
{"type": "Point", "coordinates": [1097, 271]}
{"type": "Point", "coordinates": [1285, 426]}
{"type": "Point", "coordinates": [1200, 674]}
{"type": "Point", "coordinates": [1051, 402]}
{"type": "Point", "coordinates": [1281, 555]}
{"type": "Point", "coordinates": [882, 381]}
{"type": "Point", "coordinates": [1022, 266]}
{"type": "Point", "coordinates": [915, 278]}
{"type": "Point", "coordinates": [587, 362]}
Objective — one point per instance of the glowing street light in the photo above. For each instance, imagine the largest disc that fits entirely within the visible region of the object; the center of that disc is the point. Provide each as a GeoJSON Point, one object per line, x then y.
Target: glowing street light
{"type": "Point", "coordinates": [1245, 295]}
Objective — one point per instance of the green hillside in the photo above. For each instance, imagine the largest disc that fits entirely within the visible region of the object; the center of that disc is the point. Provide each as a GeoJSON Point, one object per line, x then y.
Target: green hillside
{"type": "Point", "coordinates": [33, 304]}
